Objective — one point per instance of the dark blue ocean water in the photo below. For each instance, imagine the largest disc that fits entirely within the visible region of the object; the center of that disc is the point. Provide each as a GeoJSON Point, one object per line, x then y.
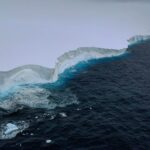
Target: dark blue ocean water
{"type": "Point", "coordinates": [113, 112]}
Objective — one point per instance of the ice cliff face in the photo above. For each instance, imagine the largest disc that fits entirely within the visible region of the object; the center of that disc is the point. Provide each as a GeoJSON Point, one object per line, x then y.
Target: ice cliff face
{"type": "Point", "coordinates": [24, 75]}
{"type": "Point", "coordinates": [37, 74]}
{"type": "Point", "coordinates": [73, 57]}
{"type": "Point", "coordinates": [138, 38]}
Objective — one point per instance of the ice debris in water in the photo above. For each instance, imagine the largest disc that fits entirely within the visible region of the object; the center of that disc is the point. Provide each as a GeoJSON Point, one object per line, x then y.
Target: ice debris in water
{"type": "Point", "coordinates": [36, 117]}
{"type": "Point", "coordinates": [10, 130]}
{"type": "Point", "coordinates": [48, 141]}
{"type": "Point", "coordinates": [78, 109]}
{"type": "Point", "coordinates": [62, 114]}
{"type": "Point", "coordinates": [31, 134]}
{"type": "Point", "coordinates": [90, 108]}
{"type": "Point", "coordinates": [52, 117]}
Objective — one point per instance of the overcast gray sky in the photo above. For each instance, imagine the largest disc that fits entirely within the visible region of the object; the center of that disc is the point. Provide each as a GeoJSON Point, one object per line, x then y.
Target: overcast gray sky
{"type": "Point", "coordinates": [38, 31]}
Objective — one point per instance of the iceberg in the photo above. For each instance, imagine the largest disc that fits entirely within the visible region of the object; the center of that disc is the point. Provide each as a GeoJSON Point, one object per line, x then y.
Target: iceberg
{"type": "Point", "coordinates": [73, 57]}
{"type": "Point", "coordinates": [32, 74]}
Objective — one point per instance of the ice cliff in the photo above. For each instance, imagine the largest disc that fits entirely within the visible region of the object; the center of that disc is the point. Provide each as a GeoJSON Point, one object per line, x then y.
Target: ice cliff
{"type": "Point", "coordinates": [37, 74]}
{"type": "Point", "coordinates": [24, 75]}
{"type": "Point", "coordinates": [73, 57]}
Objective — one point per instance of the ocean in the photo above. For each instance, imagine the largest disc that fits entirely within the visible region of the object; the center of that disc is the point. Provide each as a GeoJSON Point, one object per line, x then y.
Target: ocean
{"type": "Point", "coordinates": [101, 104]}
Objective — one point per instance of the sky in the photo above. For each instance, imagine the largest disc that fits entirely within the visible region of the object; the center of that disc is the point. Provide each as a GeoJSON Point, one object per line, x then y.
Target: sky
{"type": "Point", "coordinates": [39, 31]}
